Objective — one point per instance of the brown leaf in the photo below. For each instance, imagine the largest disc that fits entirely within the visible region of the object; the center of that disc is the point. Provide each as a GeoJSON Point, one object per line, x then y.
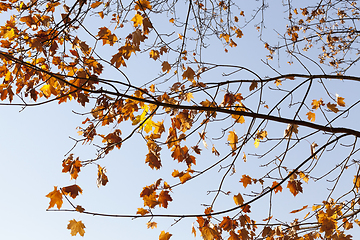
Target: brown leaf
{"type": "Point", "coordinates": [72, 190]}
{"type": "Point", "coordinates": [102, 179]}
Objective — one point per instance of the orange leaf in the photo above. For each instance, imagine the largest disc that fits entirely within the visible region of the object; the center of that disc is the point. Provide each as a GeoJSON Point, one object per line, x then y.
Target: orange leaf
{"type": "Point", "coordinates": [316, 104]}
{"type": "Point", "coordinates": [238, 199]}
{"type": "Point", "coordinates": [72, 190]}
{"type": "Point", "coordinates": [278, 189]}
{"type": "Point", "coordinates": [311, 116]}
{"type": "Point", "coordinates": [298, 210]}
{"type": "Point", "coordinates": [96, 4]}
{"type": "Point", "coordinates": [55, 198]}
{"type": "Point", "coordinates": [151, 225]}
{"type": "Point", "coordinates": [340, 101]}
{"type": "Point", "coordinates": [72, 166]}
{"type": "Point", "coordinates": [76, 227]}
{"type": "Point", "coordinates": [246, 180]}
{"type": "Point", "coordinates": [142, 5]}
{"type": "Point", "coordinates": [233, 139]}
{"type": "Point", "coordinates": [164, 235]}
{"type": "Point", "coordinates": [164, 198]}
{"type": "Point", "coordinates": [294, 187]}
{"type": "Point", "coordinates": [142, 211]}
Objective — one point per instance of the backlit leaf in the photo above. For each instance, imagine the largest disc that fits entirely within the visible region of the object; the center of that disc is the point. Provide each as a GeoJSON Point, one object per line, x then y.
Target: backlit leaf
{"type": "Point", "coordinates": [72, 190]}
{"type": "Point", "coordinates": [164, 235]}
{"type": "Point", "coordinates": [76, 227]}
{"type": "Point", "coordinates": [55, 198]}
{"type": "Point", "coordinates": [298, 210]}
{"type": "Point", "coordinates": [246, 180]}
{"type": "Point", "coordinates": [238, 199]}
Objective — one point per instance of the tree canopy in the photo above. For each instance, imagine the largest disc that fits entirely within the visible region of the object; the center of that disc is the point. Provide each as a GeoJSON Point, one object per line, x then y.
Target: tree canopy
{"type": "Point", "coordinates": [260, 97]}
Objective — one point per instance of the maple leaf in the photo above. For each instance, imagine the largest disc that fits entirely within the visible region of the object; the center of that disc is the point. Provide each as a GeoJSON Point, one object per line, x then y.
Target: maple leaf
{"type": "Point", "coordinates": [71, 166]}
{"type": "Point", "coordinates": [189, 74]}
{"type": "Point", "coordinates": [55, 198]}
{"type": "Point", "coordinates": [209, 233]}
{"type": "Point", "coordinates": [142, 211]}
{"type": "Point", "coordinates": [164, 235]}
{"type": "Point", "coordinates": [311, 116]}
{"type": "Point", "coordinates": [294, 187]}
{"type": "Point", "coordinates": [80, 209]}
{"type": "Point", "coordinates": [189, 96]}
{"type": "Point", "coordinates": [316, 104]}
{"type": "Point", "coordinates": [238, 199]}
{"type": "Point", "coordinates": [72, 190]}
{"type": "Point", "coordinates": [340, 101]}
{"type": "Point", "coordinates": [151, 200]}
{"type": "Point", "coordinates": [137, 19]}
{"type": "Point", "coordinates": [246, 180]}
{"type": "Point", "coordinates": [154, 54]}
{"type": "Point", "coordinates": [164, 198]}
{"type": "Point", "coordinates": [278, 189]}
{"type": "Point", "coordinates": [166, 67]}
{"type": "Point", "coordinates": [142, 5]}
{"type": "Point", "coordinates": [332, 107]}
{"type": "Point", "coordinates": [102, 179]}
{"type": "Point", "coordinates": [76, 227]}
{"type": "Point", "coordinates": [228, 224]}
{"type": "Point", "coordinates": [291, 128]}
{"type": "Point", "coordinates": [151, 225]}
{"type": "Point", "coordinates": [253, 85]}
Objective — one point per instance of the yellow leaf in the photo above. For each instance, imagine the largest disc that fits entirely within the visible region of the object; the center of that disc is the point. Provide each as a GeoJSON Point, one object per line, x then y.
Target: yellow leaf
{"type": "Point", "coordinates": [238, 199]}
{"type": "Point", "coordinates": [233, 139]}
{"type": "Point", "coordinates": [137, 19]}
{"type": "Point", "coordinates": [278, 82]}
{"type": "Point", "coordinates": [315, 207]}
{"type": "Point", "coordinates": [311, 116]}
{"type": "Point", "coordinates": [164, 235]}
{"type": "Point", "coordinates": [189, 96]}
{"type": "Point", "coordinates": [76, 227]}
{"type": "Point", "coordinates": [256, 143]}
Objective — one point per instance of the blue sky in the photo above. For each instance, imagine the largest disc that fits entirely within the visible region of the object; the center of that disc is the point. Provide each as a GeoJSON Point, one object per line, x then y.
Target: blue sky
{"type": "Point", "coordinates": [35, 139]}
